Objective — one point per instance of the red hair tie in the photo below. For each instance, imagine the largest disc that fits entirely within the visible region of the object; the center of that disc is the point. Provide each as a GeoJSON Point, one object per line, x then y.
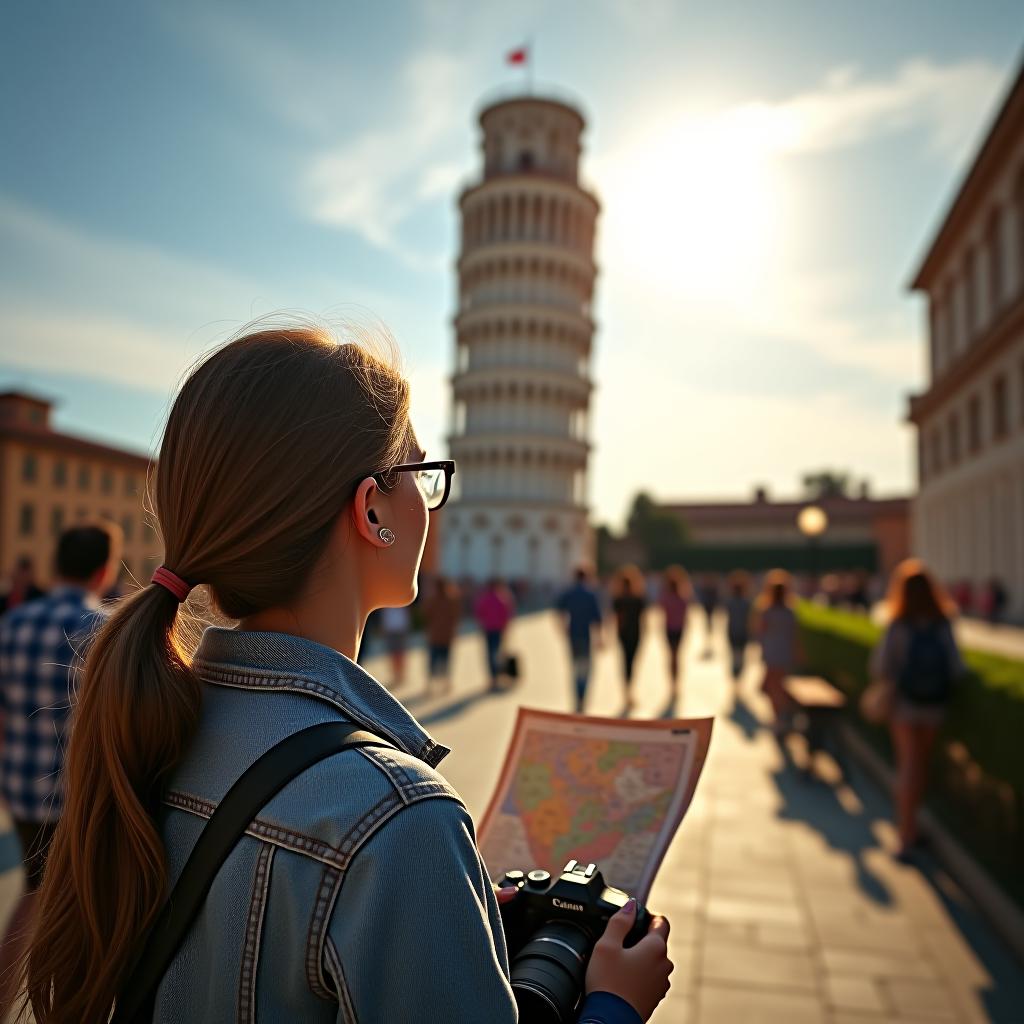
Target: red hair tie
{"type": "Point", "coordinates": [163, 577]}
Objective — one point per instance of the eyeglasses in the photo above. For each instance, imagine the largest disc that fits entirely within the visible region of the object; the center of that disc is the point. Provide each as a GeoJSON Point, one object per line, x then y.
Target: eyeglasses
{"type": "Point", "coordinates": [434, 479]}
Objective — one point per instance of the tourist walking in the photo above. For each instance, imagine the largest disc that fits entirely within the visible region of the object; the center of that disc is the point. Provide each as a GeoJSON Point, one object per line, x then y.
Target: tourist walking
{"type": "Point", "coordinates": [395, 625]}
{"type": "Point", "coordinates": [628, 606]}
{"type": "Point", "coordinates": [676, 594]}
{"type": "Point", "coordinates": [442, 612]}
{"type": "Point", "coordinates": [494, 609]}
{"type": "Point", "coordinates": [737, 621]}
{"type": "Point", "coordinates": [40, 641]}
{"type": "Point", "coordinates": [918, 659]}
{"type": "Point", "coordinates": [776, 629]}
{"type": "Point", "coordinates": [291, 484]}
{"type": "Point", "coordinates": [581, 618]}
{"type": "Point", "coordinates": [707, 595]}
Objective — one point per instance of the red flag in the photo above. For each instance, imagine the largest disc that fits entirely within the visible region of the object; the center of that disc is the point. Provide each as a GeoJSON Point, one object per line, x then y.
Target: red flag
{"type": "Point", "coordinates": [519, 56]}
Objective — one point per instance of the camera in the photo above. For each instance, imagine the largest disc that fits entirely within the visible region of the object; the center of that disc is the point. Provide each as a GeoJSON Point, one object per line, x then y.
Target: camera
{"type": "Point", "coordinates": [551, 928]}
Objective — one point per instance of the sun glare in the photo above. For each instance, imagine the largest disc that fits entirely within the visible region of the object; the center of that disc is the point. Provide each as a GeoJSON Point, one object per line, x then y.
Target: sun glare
{"type": "Point", "coordinates": [695, 206]}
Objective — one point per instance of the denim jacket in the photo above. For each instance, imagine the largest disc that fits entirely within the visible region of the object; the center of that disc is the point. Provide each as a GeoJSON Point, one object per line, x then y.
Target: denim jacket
{"type": "Point", "coordinates": [358, 893]}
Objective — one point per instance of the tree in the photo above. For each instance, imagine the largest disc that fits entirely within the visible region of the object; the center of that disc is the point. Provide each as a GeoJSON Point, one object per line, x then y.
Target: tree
{"type": "Point", "coordinates": [660, 533]}
{"type": "Point", "coordinates": [827, 483]}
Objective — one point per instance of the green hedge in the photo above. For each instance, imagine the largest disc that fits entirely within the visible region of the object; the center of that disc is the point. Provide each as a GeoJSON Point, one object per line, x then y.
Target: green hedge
{"type": "Point", "coordinates": [979, 779]}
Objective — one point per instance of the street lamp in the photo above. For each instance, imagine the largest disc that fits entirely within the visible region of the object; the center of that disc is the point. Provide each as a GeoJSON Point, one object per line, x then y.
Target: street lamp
{"type": "Point", "coordinates": [812, 522]}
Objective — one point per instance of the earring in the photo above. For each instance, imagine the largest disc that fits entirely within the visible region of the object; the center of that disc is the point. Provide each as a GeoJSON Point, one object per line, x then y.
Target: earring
{"type": "Point", "coordinates": [386, 535]}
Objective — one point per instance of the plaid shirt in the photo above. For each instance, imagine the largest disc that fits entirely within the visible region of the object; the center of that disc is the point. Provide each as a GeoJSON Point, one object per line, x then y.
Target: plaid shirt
{"type": "Point", "coordinates": [38, 644]}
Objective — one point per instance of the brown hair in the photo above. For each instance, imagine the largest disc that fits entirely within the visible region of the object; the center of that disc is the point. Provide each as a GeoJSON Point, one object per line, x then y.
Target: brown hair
{"type": "Point", "coordinates": [629, 580]}
{"type": "Point", "coordinates": [777, 590]}
{"type": "Point", "coordinates": [677, 581]}
{"type": "Point", "coordinates": [739, 583]}
{"type": "Point", "coordinates": [915, 595]}
{"type": "Point", "coordinates": [263, 447]}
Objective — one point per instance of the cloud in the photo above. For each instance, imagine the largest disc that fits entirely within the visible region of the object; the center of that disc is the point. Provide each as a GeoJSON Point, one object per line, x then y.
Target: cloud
{"type": "Point", "coordinates": [372, 182]}
{"type": "Point", "coordinates": [847, 109]}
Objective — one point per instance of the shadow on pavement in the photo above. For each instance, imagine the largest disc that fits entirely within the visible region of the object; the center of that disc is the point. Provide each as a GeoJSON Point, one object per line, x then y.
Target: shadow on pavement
{"type": "Point", "coordinates": [455, 707]}
{"type": "Point", "coordinates": [816, 802]}
{"type": "Point", "coordinates": [741, 715]}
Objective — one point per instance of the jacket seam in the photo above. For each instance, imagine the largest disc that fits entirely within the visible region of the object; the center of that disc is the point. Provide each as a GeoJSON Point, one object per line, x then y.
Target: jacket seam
{"type": "Point", "coordinates": [253, 935]}
{"type": "Point", "coordinates": [383, 812]}
{"type": "Point", "coordinates": [259, 828]}
{"type": "Point", "coordinates": [330, 883]}
{"type": "Point", "coordinates": [406, 787]}
{"type": "Point", "coordinates": [296, 684]}
{"type": "Point", "coordinates": [341, 982]}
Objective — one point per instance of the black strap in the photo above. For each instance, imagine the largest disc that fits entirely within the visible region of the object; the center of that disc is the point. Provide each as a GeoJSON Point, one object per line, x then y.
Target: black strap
{"type": "Point", "coordinates": [243, 801]}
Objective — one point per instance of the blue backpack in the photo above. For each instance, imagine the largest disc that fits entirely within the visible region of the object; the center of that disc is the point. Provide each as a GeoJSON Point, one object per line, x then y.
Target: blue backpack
{"type": "Point", "coordinates": [927, 675]}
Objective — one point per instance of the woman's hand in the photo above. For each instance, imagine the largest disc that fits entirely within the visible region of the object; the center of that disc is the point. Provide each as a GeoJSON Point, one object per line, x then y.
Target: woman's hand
{"type": "Point", "coordinates": [639, 974]}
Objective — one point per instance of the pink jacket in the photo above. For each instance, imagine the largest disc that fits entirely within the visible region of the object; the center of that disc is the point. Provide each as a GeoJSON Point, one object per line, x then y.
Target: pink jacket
{"type": "Point", "coordinates": [493, 611]}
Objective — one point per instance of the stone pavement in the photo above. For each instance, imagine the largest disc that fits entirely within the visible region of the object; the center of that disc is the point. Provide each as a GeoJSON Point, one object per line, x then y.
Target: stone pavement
{"type": "Point", "coordinates": [785, 902]}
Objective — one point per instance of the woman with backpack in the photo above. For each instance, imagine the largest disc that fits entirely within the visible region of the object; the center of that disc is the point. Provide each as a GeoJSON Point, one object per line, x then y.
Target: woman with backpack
{"type": "Point", "coordinates": [918, 660]}
{"type": "Point", "coordinates": [291, 487]}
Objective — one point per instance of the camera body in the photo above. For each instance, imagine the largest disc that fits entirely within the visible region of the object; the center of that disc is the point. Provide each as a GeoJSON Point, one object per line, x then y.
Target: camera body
{"type": "Point", "coordinates": [551, 928]}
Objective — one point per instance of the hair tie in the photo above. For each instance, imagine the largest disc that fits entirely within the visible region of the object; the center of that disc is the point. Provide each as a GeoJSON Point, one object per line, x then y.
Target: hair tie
{"type": "Point", "coordinates": [180, 588]}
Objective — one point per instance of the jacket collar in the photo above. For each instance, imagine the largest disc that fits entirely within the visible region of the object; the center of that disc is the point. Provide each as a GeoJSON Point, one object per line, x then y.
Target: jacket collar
{"type": "Point", "coordinates": [279, 661]}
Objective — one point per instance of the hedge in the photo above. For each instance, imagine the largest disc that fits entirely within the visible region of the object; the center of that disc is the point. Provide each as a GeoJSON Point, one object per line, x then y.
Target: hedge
{"type": "Point", "coordinates": [979, 782]}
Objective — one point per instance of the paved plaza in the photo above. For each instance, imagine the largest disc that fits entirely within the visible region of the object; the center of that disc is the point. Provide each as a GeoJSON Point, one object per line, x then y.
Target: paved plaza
{"type": "Point", "coordinates": [786, 904]}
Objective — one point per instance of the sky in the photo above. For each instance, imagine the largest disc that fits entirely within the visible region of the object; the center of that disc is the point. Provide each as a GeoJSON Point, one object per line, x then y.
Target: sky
{"type": "Point", "coordinates": [770, 175]}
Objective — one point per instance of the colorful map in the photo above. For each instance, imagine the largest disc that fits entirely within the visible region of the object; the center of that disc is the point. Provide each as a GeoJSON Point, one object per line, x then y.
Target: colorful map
{"type": "Point", "coordinates": [599, 790]}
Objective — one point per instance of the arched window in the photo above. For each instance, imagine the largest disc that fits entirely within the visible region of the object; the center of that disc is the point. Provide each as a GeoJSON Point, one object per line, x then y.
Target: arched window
{"type": "Point", "coordinates": [993, 245]}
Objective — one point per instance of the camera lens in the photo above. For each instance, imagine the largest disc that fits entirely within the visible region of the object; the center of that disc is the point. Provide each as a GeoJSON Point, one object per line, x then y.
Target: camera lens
{"type": "Point", "coordinates": [547, 973]}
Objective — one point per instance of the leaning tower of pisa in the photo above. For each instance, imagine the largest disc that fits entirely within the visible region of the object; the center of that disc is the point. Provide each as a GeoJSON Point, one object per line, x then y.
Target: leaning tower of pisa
{"type": "Point", "coordinates": [523, 334]}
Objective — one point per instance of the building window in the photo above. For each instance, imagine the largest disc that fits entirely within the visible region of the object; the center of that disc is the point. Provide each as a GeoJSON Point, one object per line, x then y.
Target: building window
{"type": "Point", "coordinates": [1000, 412]}
{"type": "Point", "coordinates": [84, 477]}
{"type": "Point", "coordinates": [29, 468]}
{"type": "Point", "coordinates": [970, 295]}
{"type": "Point", "coordinates": [107, 482]}
{"type": "Point", "coordinates": [1019, 195]}
{"type": "Point", "coordinates": [128, 526]}
{"type": "Point", "coordinates": [936, 453]}
{"type": "Point", "coordinates": [995, 264]}
{"type": "Point", "coordinates": [130, 487]}
{"type": "Point", "coordinates": [56, 521]}
{"type": "Point", "coordinates": [953, 444]}
{"type": "Point", "coordinates": [27, 520]}
{"type": "Point", "coordinates": [974, 424]}
{"type": "Point", "coordinates": [60, 473]}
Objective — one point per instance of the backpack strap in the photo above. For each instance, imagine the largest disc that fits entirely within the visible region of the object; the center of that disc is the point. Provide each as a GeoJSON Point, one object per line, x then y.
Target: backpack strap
{"type": "Point", "coordinates": [261, 781]}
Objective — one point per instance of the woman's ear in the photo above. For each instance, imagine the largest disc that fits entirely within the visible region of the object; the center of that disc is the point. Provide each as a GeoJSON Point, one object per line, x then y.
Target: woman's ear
{"type": "Point", "coordinates": [367, 510]}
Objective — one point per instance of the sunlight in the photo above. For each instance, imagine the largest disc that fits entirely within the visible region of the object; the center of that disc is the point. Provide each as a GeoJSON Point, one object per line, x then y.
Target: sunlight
{"type": "Point", "coordinates": [697, 208]}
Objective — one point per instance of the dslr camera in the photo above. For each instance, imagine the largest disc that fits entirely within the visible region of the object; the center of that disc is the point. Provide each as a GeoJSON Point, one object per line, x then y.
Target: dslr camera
{"type": "Point", "coordinates": [551, 928]}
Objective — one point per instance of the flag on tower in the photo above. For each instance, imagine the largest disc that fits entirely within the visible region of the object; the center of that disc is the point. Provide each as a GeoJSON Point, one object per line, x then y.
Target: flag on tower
{"type": "Point", "coordinates": [519, 56]}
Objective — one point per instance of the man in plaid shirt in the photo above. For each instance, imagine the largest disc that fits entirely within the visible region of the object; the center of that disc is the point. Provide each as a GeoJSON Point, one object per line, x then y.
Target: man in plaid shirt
{"type": "Point", "coordinates": [40, 642]}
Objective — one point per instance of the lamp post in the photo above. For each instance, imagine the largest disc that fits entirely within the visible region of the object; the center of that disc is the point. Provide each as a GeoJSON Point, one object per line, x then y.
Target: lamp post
{"type": "Point", "coordinates": [812, 522]}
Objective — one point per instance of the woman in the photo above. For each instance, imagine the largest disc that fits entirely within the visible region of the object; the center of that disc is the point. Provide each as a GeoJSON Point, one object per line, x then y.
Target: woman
{"type": "Point", "coordinates": [918, 658]}
{"type": "Point", "coordinates": [628, 607]}
{"type": "Point", "coordinates": [675, 600]}
{"type": "Point", "coordinates": [288, 484]}
{"type": "Point", "coordinates": [494, 608]}
{"type": "Point", "coordinates": [737, 616]}
{"type": "Point", "coordinates": [780, 644]}
{"type": "Point", "coordinates": [442, 612]}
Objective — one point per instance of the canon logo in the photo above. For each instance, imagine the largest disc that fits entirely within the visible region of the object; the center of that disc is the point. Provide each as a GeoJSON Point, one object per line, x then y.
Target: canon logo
{"type": "Point", "coordinates": [567, 906]}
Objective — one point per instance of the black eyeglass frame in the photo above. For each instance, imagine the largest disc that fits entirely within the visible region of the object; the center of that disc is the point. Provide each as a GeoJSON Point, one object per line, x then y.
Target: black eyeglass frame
{"type": "Point", "coordinates": [447, 465]}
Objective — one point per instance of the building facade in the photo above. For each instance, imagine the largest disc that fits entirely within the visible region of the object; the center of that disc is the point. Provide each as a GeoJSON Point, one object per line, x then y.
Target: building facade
{"type": "Point", "coordinates": [523, 335]}
{"type": "Point", "coordinates": [51, 480]}
{"type": "Point", "coordinates": [866, 533]}
{"type": "Point", "coordinates": [968, 517]}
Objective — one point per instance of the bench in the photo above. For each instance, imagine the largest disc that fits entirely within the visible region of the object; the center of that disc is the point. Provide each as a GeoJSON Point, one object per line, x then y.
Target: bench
{"type": "Point", "coordinates": [818, 712]}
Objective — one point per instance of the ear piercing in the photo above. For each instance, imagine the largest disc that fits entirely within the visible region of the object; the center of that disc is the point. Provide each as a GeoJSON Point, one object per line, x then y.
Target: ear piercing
{"type": "Point", "coordinates": [386, 536]}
